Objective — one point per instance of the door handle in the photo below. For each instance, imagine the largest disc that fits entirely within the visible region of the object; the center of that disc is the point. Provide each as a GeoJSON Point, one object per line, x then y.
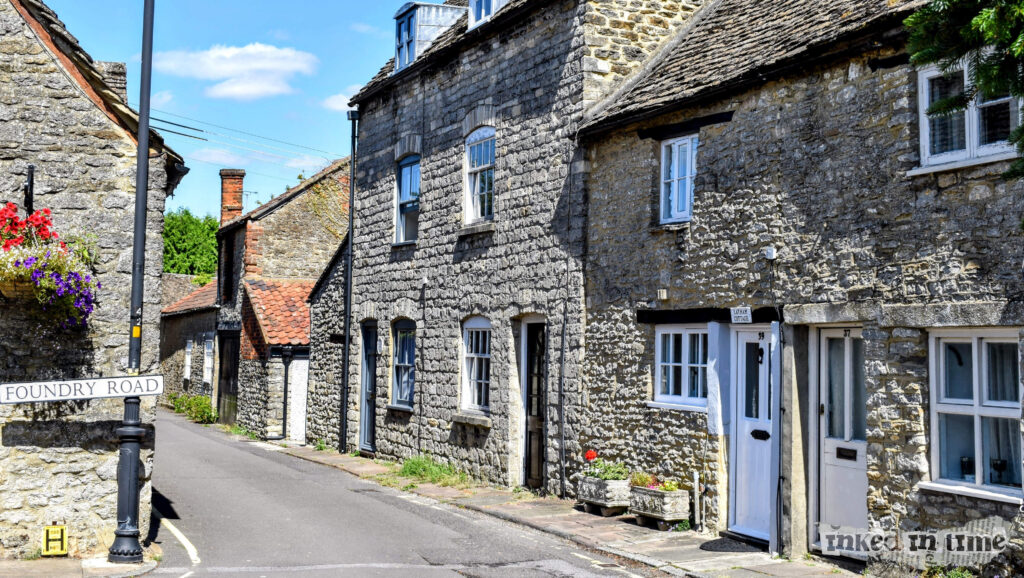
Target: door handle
{"type": "Point", "coordinates": [760, 434]}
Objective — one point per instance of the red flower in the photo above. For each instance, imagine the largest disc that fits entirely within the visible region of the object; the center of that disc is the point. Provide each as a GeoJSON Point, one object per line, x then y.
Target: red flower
{"type": "Point", "coordinates": [591, 455]}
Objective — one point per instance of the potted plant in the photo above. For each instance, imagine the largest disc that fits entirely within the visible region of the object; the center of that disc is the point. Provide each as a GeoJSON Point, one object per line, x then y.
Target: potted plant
{"type": "Point", "coordinates": [604, 487]}
{"type": "Point", "coordinates": [36, 264]}
{"type": "Point", "coordinates": [662, 502]}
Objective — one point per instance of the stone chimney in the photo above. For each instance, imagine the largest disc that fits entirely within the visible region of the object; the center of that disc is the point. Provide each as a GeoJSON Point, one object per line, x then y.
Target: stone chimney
{"type": "Point", "coordinates": [115, 74]}
{"type": "Point", "coordinates": [230, 194]}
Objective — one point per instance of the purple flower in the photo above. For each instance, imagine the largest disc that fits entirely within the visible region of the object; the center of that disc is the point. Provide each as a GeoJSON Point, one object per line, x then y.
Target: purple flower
{"type": "Point", "coordinates": [30, 261]}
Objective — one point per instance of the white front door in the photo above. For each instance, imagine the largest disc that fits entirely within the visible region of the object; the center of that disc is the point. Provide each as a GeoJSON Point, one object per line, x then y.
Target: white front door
{"type": "Point", "coordinates": [843, 415]}
{"type": "Point", "coordinates": [298, 385]}
{"type": "Point", "coordinates": [752, 479]}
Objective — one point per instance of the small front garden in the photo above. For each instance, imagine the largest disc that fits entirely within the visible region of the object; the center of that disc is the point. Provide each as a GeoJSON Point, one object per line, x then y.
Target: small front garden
{"type": "Point", "coordinates": [608, 488]}
{"type": "Point", "coordinates": [197, 408]}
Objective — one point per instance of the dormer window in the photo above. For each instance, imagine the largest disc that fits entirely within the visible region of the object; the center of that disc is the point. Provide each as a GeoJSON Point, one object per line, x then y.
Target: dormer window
{"type": "Point", "coordinates": [479, 10]}
{"type": "Point", "coordinates": [405, 50]}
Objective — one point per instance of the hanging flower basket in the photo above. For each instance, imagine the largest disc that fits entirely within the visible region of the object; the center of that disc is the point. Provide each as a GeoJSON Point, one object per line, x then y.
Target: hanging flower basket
{"type": "Point", "coordinates": [36, 265]}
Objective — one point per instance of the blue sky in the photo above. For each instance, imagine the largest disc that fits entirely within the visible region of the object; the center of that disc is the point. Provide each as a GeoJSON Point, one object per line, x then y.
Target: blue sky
{"type": "Point", "coordinates": [280, 70]}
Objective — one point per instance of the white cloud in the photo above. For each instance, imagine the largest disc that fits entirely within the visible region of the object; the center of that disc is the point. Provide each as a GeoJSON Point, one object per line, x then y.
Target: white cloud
{"type": "Point", "coordinates": [220, 157]}
{"type": "Point", "coordinates": [339, 102]}
{"type": "Point", "coordinates": [371, 30]}
{"type": "Point", "coordinates": [308, 164]}
{"type": "Point", "coordinates": [245, 72]}
{"type": "Point", "coordinates": [161, 99]}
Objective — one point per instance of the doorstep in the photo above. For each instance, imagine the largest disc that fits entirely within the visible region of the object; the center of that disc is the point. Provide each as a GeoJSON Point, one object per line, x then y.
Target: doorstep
{"type": "Point", "coordinates": [677, 553]}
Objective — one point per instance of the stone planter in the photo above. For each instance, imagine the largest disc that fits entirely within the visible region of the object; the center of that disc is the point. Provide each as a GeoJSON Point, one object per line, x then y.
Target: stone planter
{"type": "Point", "coordinates": [17, 290]}
{"type": "Point", "coordinates": [664, 508]}
{"type": "Point", "coordinates": [607, 497]}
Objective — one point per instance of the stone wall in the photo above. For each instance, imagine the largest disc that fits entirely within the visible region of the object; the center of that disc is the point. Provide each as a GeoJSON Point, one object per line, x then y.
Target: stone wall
{"type": "Point", "coordinates": [175, 331]}
{"type": "Point", "coordinates": [174, 287]}
{"type": "Point", "coordinates": [58, 461]}
{"type": "Point", "coordinates": [229, 317]}
{"type": "Point", "coordinates": [814, 164]}
{"type": "Point", "coordinates": [252, 395]}
{"type": "Point", "coordinates": [294, 243]}
{"type": "Point", "coordinates": [327, 311]}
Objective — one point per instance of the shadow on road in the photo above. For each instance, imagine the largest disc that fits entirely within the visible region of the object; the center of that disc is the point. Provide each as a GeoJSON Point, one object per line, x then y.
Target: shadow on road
{"type": "Point", "coordinates": [166, 508]}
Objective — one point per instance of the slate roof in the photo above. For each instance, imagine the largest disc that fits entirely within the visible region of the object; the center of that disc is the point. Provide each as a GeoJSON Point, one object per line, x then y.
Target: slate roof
{"type": "Point", "coordinates": [731, 43]}
{"type": "Point", "coordinates": [91, 76]}
{"type": "Point", "coordinates": [339, 167]}
{"type": "Point", "coordinates": [281, 309]}
{"type": "Point", "coordinates": [201, 299]}
{"type": "Point", "coordinates": [457, 36]}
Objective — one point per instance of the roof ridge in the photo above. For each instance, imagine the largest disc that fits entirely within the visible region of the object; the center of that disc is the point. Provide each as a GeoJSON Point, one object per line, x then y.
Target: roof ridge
{"type": "Point", "coordinates": [663, 52]}
{"type": "Point", "coordinates": [290, 193]}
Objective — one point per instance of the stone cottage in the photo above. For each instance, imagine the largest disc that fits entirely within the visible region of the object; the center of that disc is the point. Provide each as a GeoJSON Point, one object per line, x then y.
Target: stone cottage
{"type": "Point", "coordinates": [468, 285]}
{"type": "Point", "coordinates": [799, 286]}
{"type": "Point", "coordinates": [270, 258]}
{"type": "Point", "coordinates": [67, 115]}
{"type": "Point", "coordinates": [188, 331]}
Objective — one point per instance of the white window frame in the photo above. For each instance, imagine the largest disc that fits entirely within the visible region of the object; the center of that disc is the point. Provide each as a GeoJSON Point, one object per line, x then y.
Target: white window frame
{"type": "Point", "coordinates": [471, 364]}
{"type": "Point", "coordinates": [401, 235]}
{"type": "Point", "coordinates": [208, 361]}
{"type": "Point", "coordinates": [485, 8]}
{"type": "Point", "coordinates": [186, 375]}
{"type": "Point", "coordinates": [684, 400]}
{"type": "Point", "coordinates": [475, 213]}
{"type": "Point", "coordinates": [405, 48]}
{"type": "Point", "coordinates": [677, 184]}
{"type": "Point", "coordinates": [977, 408]}
{"type": "Point", "coordinates": [972, 120]}
{"type": "Point", "coordinates": [403, 326]}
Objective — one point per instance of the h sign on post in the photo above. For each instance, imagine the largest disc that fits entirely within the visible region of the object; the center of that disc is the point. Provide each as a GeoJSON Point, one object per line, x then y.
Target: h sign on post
{"type": "Point", "coordinates": [74, 389]}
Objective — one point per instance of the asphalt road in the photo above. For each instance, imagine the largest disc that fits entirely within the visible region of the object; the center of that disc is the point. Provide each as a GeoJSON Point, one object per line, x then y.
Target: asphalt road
{"type": "Point", "coordinates": [250, 511]}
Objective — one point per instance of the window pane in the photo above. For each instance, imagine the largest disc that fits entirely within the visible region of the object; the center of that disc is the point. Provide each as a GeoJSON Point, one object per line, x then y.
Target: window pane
{"type": "Point", "coordinates": [948, 133]}
{"type": "Point", "coordinates": [666, 200]}
{"type": "Point", "coordinates": [1001, 444]}
{"type": "Point", "coordinates": [668, 165]}
{"type": "Point", "coordinates": [677, 348]}
{"type": "Point", "coordinates": [836, 416]}
{"type": "Point", "coordinates": [693, 382]}
{"type": "Point", "coordinates": [995, 121]}
{"type": "Point", "coordinates": [752, 382]}
{"type": "Point", "coordinates": [677, 380]}
{"type": "Point", "coordinates": [683, 160]}
{"type": "Point", "coordinates": [666, 340]}
{"type": "Point", "coordinates": [956, 447]}
{"type": "Point", "coordinates": [414, 181]}
{"type": "Point", "coordinates": [663, 380]}
{"type": "Point", "coordinates": [411, 225]}
{"type": "Point", "coordinates": [1003, 372]}
{"type": "Point", "coordinates": [859, 401]}
{"type": "Point", "coordinates": [959, 370]}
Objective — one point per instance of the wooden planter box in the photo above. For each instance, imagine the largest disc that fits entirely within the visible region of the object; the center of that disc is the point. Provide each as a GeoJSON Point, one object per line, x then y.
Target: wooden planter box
{"type": "Point", "coordinates": [664, 508]}
{"type": "Point", "coordinates": [18, 290]}
{"type": "Point", "coordinates": [607, 497]}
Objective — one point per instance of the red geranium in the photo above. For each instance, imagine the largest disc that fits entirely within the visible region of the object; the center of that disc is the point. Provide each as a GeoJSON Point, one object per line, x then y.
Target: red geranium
{"type": "Point", "coordinates": [13, 229]}
{"type": "Point", "coordinates": [591, 455]}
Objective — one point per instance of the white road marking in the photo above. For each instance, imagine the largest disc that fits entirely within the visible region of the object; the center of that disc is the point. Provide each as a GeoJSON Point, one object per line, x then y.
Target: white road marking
{"type": "Point", "coordinates": [193, 554]}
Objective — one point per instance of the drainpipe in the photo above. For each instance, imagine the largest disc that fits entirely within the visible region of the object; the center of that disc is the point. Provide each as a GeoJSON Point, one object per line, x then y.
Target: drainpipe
{"type": "Point", "coordinates": [30, 190]}
{"type": "Point", "coordinates": [286, 358]}
{"type": "Point", "coordinates": [353, 115]}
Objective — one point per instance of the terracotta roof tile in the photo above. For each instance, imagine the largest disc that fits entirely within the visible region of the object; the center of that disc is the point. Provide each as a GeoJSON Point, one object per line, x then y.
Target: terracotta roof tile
{"type": "Point", "coordinates": [281, 309]}
{"type": "Point", "coordinates": [203, 298]}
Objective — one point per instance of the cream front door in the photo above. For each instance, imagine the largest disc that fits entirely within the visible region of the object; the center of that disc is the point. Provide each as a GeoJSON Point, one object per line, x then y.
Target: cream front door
{"type": "Point", "coordinates": [752, 479]}
{"type": "Point", "coordinates": [843, 414]}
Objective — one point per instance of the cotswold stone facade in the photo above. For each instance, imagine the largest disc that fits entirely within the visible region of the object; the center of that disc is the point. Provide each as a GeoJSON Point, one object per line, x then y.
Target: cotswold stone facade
{"type": "Point", "coordinates": [526, 73]}
{"type": "Point", "coordinates": [188, 332]}
{"type": "Point", "coordinates": [821, 161]}
{"type": "Point", "coordinates": [58, 461]}
{"type": "Point", "coordinates": [326, 353]}
{"type": "Point", "coordinates": [288, 240]}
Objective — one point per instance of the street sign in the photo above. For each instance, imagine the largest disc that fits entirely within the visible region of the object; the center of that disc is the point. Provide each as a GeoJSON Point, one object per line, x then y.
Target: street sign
{"type": "Point", "coordinates": [72, 389]}
{"type": "Point", "coordinates": [55, 541]}
{"type": "Point", "coordinates": [741, 315]}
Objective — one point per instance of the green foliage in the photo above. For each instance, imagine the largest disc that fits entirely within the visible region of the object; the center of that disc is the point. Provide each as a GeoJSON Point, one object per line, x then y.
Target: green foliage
{"type": "Point", "coordinates": [642, 480]}
{"type": "Point", "coordinates": [669, 486]}
{"type": "Point", "coordinates": [34, 554]}
{"type": "Point", "coordinates": [198, 408]}
{"type": "Point", "coordinates": [986, 36]}
{"type": "Point", "coordinates": [241, 431]}
{"type": "Point", "coordinates": [320, 446]}
{"type": "Point", "coordinates": [681, 526]}
{"type": "Point", "coordinates": [180, 403]}
{"type": "Point", "coordinates": [607, 470]}
{"type": "Point", "coordinates": [427, 469]}
{"type": "Point", "coordinates": [190, 243]}
{"type": "Point", "coordinates": [940, 572]}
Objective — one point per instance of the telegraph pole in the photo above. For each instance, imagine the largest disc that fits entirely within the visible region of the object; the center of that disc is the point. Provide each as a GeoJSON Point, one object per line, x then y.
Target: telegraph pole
{"type": "Point", "coordinates": [126, 548]}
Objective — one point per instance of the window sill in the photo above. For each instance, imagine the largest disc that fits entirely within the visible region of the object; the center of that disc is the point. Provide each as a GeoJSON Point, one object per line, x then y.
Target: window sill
{"type": "Point", "coordinates": [403, 244]}
{"type": "Point", "coordinates": [972, 491]}
{"type": "Point", "coordinates": [962, 164]}
{"type": "Point", "coordinates": [670, 227]}
{"type": "Point", "coordinates": [475, 419]}
{"type": "Point", "coordinates": [677, 406]}
{"type": "Point", "coordinates": [399, 408]}
{"type": "Point", "coordinates": [478, 228]}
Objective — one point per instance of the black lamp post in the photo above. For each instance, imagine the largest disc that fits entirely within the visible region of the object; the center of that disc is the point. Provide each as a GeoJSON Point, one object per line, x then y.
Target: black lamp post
{"type": "Point", "coordinates": [126, 548]}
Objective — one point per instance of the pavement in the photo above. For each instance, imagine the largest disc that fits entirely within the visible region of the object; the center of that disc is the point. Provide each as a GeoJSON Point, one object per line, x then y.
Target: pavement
{"type": "Point", "coordinates": [699, 555]}
{"type": "Point", "coordinates": [73, 568]}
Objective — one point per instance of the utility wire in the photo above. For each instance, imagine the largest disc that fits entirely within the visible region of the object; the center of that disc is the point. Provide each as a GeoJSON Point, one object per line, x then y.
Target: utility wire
{"type": "Point", "coordinates": [245, 148]}
{"type": "Point", "coordinates": [259, 144]}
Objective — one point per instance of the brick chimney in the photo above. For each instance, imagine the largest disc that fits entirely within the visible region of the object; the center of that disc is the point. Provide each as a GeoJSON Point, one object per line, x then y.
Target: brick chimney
{"type": "Point", "coordinates": [230, 194]}
{"type": "Point", "coordinates": [115, 74]}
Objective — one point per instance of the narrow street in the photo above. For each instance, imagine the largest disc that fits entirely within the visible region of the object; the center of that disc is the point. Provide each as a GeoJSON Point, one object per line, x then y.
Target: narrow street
{"type": "Point", "coordinates": [250, 511]}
